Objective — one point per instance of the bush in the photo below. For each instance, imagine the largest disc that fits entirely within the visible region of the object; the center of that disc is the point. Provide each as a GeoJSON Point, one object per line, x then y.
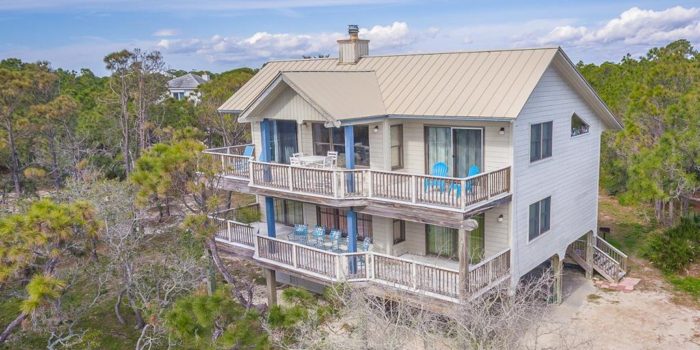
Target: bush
{"type": "Point", "coordinates": [248, 214]}
{"type": "Point", "coordinates": [676, 248]}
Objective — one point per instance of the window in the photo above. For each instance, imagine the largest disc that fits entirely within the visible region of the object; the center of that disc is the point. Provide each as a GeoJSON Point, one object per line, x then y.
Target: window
{"type": "Point", "coordinates": [332, 218]}
{"type": "Point", "coordinates": [396, 147]}
{"type": "Point", "coordinates": [283, 140]}
{"type": "Point", "coordinates": [540, 141]}
{"type": "Point", "coordinates": [578, 126]}
{"type": "Point", "coordinates": [333, 139]}
{"type": "Point", "coordinates": [289, 212]}
{"type": "Point", "coordinates": [539, 217]}
{"type": "Point", "coordinates": [178, 95]}
{"type": "Point", "coordinates": [399, 228]}
{"type": "Point", "coordinates": [442, 241]}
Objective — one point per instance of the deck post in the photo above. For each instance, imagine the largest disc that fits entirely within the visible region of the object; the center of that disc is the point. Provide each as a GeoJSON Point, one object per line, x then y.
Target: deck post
{"type": "Point", "coordinates": [270, 216]}
{"type": "Point", "coordinates": [267, 176]}
{"type": "Point", "coordinates": [557, 269]}
{"type": "Point", "coordinates": [463, 253]}
{"type": "Point", "coordinates": [270, 278]}
{"type": "Point", "coordinates": [589, 254]}
{"type": "Point", "coordinates": [352, 239]}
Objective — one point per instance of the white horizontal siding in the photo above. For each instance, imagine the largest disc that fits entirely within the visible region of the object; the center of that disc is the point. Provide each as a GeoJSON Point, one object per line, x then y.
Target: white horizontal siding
{"type": "Point", "coordinates": [497, 234]}
{"type": "Point", "coordinates": [288, 105]}
{"type": "Point", "coordinates": [570, 176]}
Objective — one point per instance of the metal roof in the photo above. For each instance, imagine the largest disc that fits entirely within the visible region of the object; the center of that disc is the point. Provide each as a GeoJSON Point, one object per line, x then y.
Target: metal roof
{"type": "Point", "coordinates": [337, 95]}
{"type": "Point", "coordinates": [187, 81]}
{"type": "Point", "coordinates": [481, 84]}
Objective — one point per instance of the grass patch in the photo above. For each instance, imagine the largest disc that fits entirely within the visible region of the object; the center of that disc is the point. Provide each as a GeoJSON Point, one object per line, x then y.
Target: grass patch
{"type": "Point", "coordinates": [593, 297]}
{"type": "Point", "coordinates": [688, 284]}
{"type": "Point", "coordinates": [629, 225]}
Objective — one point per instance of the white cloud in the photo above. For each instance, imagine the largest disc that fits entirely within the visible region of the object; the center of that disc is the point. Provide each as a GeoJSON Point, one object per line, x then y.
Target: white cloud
{"type": "Point", "coordinates": [165, 32]}
{"type": "Point", "coordinates": [264, 45]}
{"type": "Point", "coordinates": [634, 27]}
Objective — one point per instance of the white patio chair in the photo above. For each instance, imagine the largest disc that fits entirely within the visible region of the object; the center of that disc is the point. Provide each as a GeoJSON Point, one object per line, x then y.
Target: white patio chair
{"type": "Point", "coordinates": [333, 156]}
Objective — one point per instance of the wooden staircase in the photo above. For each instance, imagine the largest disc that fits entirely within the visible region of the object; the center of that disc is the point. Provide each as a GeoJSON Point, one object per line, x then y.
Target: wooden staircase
{"type": "Point", "coordinates": [607, 260]}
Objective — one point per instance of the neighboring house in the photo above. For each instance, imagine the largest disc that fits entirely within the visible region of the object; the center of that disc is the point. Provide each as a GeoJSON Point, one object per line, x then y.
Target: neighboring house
{"type": "Point", "coordinates": [185, 87]}
{"type": "Point", "coordinates": [514, 136]}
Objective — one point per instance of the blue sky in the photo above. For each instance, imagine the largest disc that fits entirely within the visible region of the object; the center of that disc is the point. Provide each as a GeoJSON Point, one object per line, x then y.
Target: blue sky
{"type": "Point", "coordinates": [222, 35]}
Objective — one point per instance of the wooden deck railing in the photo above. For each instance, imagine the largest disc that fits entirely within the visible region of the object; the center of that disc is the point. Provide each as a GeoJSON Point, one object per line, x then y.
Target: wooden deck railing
{"type": "Point", "coordinates": [233, 231]}
{"type": "Point", "coordinates": [611, 260]}
{"type": "Point", "coordinates": [379, 268]}
{"type": "Point", "coordinates": [425, 190]}
{"type": "Point", "coordinates": [232, 160]}
{"type": "Point", "coordinates": [490, 271]}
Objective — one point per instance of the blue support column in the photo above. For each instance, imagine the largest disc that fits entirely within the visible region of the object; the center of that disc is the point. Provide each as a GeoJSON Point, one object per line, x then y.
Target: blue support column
{"type": "Point", "coordinates": [265, 157]}
{"type": "Point", "coordinates": [351, 214]}
{"type": "Point", "coordinates": [350, 156]}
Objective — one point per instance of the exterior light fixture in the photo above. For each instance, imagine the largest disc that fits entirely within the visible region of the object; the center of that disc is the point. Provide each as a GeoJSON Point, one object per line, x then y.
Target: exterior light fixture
{"type": "Point", "coordinates": [376, 129]}
{"type": "Point", "coordinates": [502, 131]}
{"type": "Point", "coordinates": [500, 218]}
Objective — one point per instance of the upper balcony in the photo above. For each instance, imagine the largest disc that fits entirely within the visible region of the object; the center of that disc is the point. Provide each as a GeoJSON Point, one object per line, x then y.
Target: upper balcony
{"type": "Point", "coordinates": [375, 189]}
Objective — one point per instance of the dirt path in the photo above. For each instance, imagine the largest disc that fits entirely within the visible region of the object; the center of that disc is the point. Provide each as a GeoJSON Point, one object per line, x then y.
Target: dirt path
{"type": "Point", "coordinates": [643, 319]}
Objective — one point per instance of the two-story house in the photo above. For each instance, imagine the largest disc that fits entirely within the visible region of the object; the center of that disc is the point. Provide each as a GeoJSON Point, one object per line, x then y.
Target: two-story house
{"type": "Point", "coordinates": [439, 174]}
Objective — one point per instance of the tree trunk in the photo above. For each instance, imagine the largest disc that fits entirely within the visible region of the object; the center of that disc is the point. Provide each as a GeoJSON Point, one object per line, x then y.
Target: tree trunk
{"type": "Point", "coordinates": [14, 158]}
{"type": "Point", "coordinates": [214, 255]}
{"type": "Point", "coordinates": [124, 121]}
{"type": "Point", "coordinates": [54, 163]}
{"type": "Point", "coordinates": [11, 327]}
{"type": "Point", "coordinates": [117, 305]}
{"type": "Point", "coordinates": [137, 313]}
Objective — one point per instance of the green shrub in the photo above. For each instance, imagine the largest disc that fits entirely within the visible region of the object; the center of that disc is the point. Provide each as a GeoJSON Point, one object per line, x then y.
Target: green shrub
{"type": "Point", "coordinates": [690, 285]}
{"type": "Point", "coordinates": [247, 215]}
{"type": "Point", "coordinates": [673, 250]}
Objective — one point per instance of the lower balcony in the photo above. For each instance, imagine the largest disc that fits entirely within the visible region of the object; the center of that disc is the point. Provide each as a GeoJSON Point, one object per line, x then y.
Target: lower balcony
{"type": "Point", "coordinates": [423, 275]}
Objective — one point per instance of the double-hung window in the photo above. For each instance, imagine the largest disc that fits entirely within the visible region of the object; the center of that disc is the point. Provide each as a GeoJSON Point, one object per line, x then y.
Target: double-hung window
{"type": "Point", "coordinates": [540, 141]}
{"type": "Point", "coordinates": [539, 217]}
{"type": "Point", "coordinates": [396, 146]}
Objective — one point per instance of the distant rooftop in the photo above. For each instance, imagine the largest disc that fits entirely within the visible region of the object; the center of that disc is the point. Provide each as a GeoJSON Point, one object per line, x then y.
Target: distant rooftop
{"type": "Point", "coordinates": [187, 81]}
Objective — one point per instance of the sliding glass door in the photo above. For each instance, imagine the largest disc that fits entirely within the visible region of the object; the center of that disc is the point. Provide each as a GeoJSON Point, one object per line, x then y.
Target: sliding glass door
{"type": "Point", "coordinates": [459, 148]}
{"type": "Point", "coordinates": [467, 150]}
{"type": "Point", "coordinates": [444, 241]}
{"type": "Point", "coordinates": [284, 140]}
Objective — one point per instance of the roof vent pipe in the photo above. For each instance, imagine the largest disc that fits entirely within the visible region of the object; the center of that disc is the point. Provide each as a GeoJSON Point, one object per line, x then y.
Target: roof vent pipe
{"type": "Point", "coordinates": [352, 49]}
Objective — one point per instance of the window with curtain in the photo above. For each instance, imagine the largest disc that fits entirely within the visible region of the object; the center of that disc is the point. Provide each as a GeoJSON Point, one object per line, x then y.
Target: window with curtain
{"type": "Point", "coordinates": [334, 218]}
{"type": "Point", "coordinates": [399, 231]}
{"type": "Point", "coordinates": [289, 212]}
{"type": "Point", "coordinates": [396, 132]}
{"type": "Point", "coordinates": [283, 140]}
{"type": "Point", "coordinates": [467, 149]}
{"type": "Point", "coordinates": [333, 139]}
{"type": "Point", "coordinates": [540, 141]}
{"type": "Point", "coordinates": [439, 146]}
{"type": "Point", "coordinates": [539, 219]}
{"type": "Point", "coordinates": [442, 241]}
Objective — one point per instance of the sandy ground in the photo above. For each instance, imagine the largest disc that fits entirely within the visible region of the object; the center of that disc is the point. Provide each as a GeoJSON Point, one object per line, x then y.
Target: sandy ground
{"type": "Point", "coordinates": [642, 319]}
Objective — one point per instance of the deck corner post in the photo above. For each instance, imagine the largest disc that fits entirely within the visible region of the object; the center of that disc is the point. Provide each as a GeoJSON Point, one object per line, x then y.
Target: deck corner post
{"type": "Point", "coordinates": [463, 264]}
{"type": "Point", "coordinates": [271, 279]}
{"type": "Point", "coordinates": [352, 238]}
{"type": "Point", "coordinates": [589, 254]}
{"type": "Point", "coordinates": [557, 269]}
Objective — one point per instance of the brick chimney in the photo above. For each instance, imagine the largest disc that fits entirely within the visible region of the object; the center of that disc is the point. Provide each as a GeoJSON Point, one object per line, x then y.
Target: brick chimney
{"type": "Point", "coordinates": [350, 50]}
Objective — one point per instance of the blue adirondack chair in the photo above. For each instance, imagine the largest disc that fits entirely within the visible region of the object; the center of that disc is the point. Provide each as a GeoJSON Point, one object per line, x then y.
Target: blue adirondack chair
{"type": "Point", "coordinates": [335, 240]}
{"type": "Point", "coordinates": [242, 164]}
{"type": "Point", "coordinates": [473, 170]}
{"type": "Point", "coordinates": [439, 169]}
{"type": "Point", "coordinates": [301, 233]}
{"type": "Point", "coordinates": [319, 233]}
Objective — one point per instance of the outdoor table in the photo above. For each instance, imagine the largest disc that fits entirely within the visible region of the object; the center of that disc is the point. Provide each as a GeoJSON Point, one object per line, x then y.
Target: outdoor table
{"type": "Point", "coordinates": [317, 161]}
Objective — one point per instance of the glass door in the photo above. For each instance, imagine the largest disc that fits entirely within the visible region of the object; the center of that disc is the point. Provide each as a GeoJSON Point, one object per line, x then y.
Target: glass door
{"type": "Point", "coordinates": [467, 149]}
{"type": "Point", "coordinates": [284, 140]}
{"type": "Point", "coordinates": [459, 148]}
{"type": "Point", "coordinates": [442, 241]}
